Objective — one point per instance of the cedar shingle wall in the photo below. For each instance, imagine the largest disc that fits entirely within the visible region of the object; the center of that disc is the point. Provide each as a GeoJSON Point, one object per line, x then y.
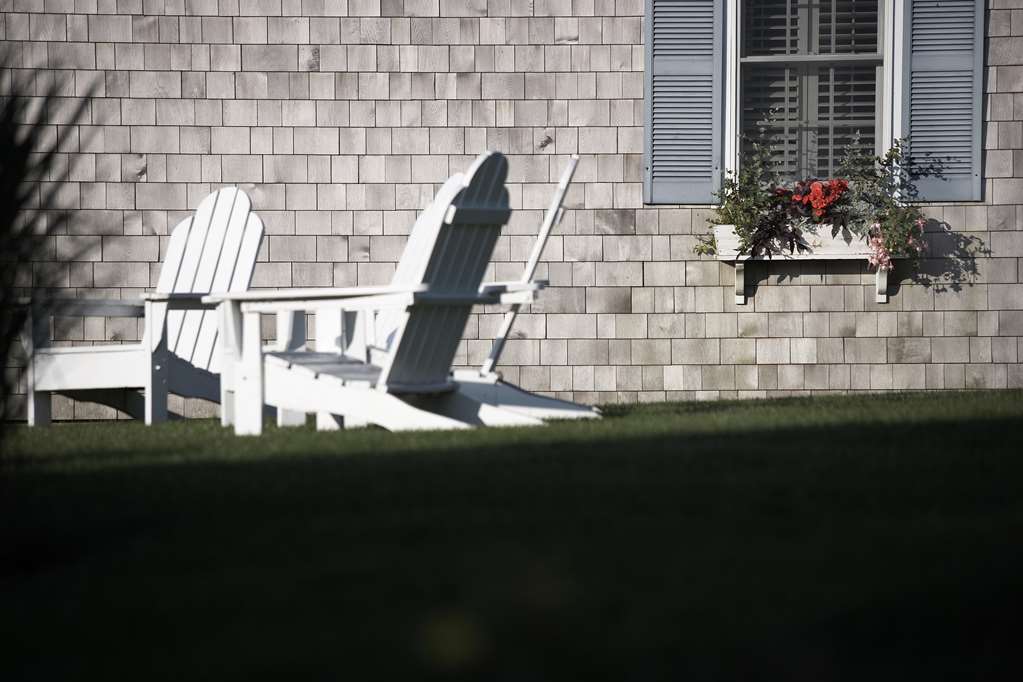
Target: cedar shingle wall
{"type": "Point", "coordinates": [341, 118]}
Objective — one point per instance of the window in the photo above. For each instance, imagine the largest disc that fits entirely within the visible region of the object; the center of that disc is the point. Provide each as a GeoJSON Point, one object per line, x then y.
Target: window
{"type": "Point", "coordinates": [820, 74]}
{"type": "Point", "coordinates": [809, 78]}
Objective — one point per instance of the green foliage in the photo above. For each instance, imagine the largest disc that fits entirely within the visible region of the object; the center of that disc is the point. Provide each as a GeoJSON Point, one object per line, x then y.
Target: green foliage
{"type": "Point", "coordinates": [748, 202]}
{"type": "Point", "coordinates": [871, 201]}
{"type": "Point", "coordinates": [706, 245]}
{"type": "Point", "coordinates": [877, 208]}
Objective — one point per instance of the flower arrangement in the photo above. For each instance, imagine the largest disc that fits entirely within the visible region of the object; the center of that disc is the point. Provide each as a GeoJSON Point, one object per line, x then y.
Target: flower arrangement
{"type": "Point", "coordinates": [866, 199]}
{"type": "Point", "coordinates": [816, 196]}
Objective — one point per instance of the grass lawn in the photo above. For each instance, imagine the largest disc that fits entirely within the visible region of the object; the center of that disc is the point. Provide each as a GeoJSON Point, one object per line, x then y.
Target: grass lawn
{"type": "Point", "coordinates": [855, 538]}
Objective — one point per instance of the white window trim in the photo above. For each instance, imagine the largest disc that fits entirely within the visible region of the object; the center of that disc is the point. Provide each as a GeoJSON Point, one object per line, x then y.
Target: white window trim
{"type": "Point", "coordinates": [891, 108]}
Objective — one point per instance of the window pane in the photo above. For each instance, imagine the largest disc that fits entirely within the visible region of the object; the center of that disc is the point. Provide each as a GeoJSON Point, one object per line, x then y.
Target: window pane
{"type": "Point", "coordinates": [791, 27]}
{"type": "Point", "coordinates": [810, 114]}
{"type": "Point", "coordinates": [846, 107]}
{"type": "Point", "coordinates": [847, 26]}
{"type": "Point", "coordinates": [772, 111]}
{"type": "Point", "coordinates": [770, 27]}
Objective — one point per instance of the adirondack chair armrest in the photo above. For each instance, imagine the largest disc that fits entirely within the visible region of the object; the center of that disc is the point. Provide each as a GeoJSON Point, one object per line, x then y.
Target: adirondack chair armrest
{"type": "Point", "coordinates": [36, 331]}
{"type": "Point", "coordinates": [512, 287]}
{"type": "Point", "coordinates": [92, 307]}
{"type": "Point", "coordinates": [307, 294]}
{"type": "Point", "coordinates": [310, 300]}
{"type": "Point", "coordinates": [512, 293]}
{"type": "Point", "coordinates": [180, 301]}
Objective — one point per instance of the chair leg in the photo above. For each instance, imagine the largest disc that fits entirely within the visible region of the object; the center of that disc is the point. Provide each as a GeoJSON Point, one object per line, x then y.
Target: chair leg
{"type": "Point", "coordinates": [249, 374]}
{"type": "Point", "coordinates": [156, 396]}
{"type": "Point", "coordinates": [227, 416]}
{"type": "Point", "coordinates": [156, 387]}
{"type": "Point", "coordinates": [39, 408]}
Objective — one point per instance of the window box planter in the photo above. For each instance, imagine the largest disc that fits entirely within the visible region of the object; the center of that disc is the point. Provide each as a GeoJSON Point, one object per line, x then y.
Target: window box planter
{"type": "Point", "coordinates": [822, 246]}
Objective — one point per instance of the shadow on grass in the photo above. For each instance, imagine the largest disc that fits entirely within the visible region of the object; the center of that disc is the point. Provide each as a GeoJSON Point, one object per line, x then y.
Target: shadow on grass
{"type": "Point", "coordinates": [777, 552]}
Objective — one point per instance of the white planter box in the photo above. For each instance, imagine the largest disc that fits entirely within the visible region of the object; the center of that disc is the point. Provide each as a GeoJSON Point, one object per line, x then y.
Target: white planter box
{"type": "Point", "coordinates": [822, 246]}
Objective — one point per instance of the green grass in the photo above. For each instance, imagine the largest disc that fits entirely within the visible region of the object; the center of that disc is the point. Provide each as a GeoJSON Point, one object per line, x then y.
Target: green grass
{"type": "Point", "coordinates": [868, 537]}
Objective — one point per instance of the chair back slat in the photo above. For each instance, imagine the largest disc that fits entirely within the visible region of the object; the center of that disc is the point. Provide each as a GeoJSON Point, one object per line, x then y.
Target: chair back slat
{"type": "Point", "coordinates": [427, 336]}
{"type": "Point", "coordinates": [173, 256]}
{"type": "Point", "coordinates": [409, 272]}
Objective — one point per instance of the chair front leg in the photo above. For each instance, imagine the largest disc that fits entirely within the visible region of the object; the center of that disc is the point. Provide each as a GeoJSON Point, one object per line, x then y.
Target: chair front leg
{"type": "Point", "coordinates": [39, 406]}
{"type": "Point", "coordinates": [291, 336]}
{"type": "Point", "coordinates": [249, 398]}
{"type": "Point", "coordinates": [329, 339]}
{"type": "Point", "coordinates": [32, 337]}
{"type": "Point", "coordinates": [156, 377]}
{"type": "Point", "coordinates": [230, 320]}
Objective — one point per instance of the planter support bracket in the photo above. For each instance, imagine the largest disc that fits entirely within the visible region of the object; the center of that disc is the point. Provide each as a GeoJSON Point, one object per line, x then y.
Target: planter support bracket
{"type": "Point", "coordinates": [740, 283]}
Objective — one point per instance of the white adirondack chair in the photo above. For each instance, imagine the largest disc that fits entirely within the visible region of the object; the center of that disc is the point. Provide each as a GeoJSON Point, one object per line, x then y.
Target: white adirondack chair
{"type": "Point", "coordinates": [405, 384]}
{"type": "Point", "coordinates": [214, 250]}
{"type": "Point", "coordinates": [483, 384]}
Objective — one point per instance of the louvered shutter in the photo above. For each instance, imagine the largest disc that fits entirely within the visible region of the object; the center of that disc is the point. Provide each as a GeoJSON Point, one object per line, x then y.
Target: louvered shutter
{"type": "Point", "coordinates": [943, 95]}
{"type": "Point", "coordinates": [684, 92]}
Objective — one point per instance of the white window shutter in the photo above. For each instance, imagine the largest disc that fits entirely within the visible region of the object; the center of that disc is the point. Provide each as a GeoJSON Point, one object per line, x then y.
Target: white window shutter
{"type": "Point", "coordinates": [684, 99]}
{"type": "Point", "coordinates": [943, 76]}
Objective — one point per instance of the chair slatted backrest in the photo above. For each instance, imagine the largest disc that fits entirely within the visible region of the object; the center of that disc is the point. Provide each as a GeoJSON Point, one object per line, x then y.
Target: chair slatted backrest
{"type": "Point", "coordinates": [416, 255]}
{"type": "Point", "coordinates": [427, 335]}
{"type": "Point", "coordinates": [214, 251]}
{"type": "Point", "coordinates": [409, 272]}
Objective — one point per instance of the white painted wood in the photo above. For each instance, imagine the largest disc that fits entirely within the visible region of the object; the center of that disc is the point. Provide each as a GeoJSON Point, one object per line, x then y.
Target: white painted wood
{"type": "Point", "coordinates": [881, 286]}
{"type": "Point", "coordinates": [213, 250]}
{"type": "Point", "coordinates": [896, 10]}
{"type": "Point", "coordinates": [155, 389]}
{"type": "Point", "coordinates": [477, 411]}
{"type": "Point", "coordinates": [76, 368]}
{"type": "Point", "coordinates": [39, 401]}
{"type": "Point", "coordinates": [218, 243]}
{"type": "Point", "coordinates": [822, 246]}
{"type": "Point", "coordinates": [403, 381]}
{"type": "Point", "coordinates": [826, 244]}
{"type": "Point", "coordinates": [291, 337]}
{"type": "Point", "coordinates": [229, 315]}
{"type": "Point", "coordinates": [491, 390]}
{"type": "Point", "coordinates": [740, 283]}
{"type": "Point", "coordinates": [426, 338]}
{"type": "Point", "coordinates": [431, 312]}
{"type": "Point", "coordinates": [372, 335]}
{"type": "Point", "coordinates": [551, 218]}
{"type": "Point", "coordinates": [733, 84]}
{"type": "Point", "coordinates": [304, 389]}
{"type": "Point", "coordinates": [249, 398]}
{"type": "Point", "coordinates": [99, 307]}
{"type": "Point", "coordinates": [329, 339]}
